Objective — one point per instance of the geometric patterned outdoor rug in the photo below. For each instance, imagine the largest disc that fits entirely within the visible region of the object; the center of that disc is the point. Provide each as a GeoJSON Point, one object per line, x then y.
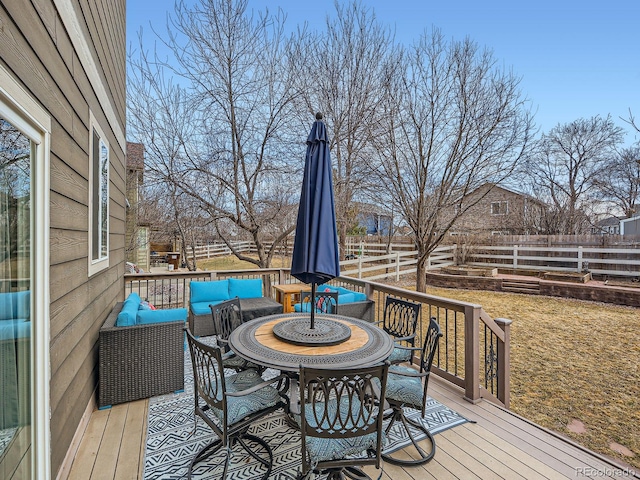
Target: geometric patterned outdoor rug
{"type": "Point", "coordinates": [171, 444]}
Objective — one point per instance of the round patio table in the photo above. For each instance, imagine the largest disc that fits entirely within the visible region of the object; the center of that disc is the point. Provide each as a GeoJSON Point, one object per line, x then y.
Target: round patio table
{"type": "Point", "coordinates": [256, 342]}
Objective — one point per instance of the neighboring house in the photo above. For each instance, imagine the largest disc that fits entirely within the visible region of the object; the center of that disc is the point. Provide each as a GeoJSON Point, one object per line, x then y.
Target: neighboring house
{"type": "Point", "coordinates": [373, 219]}
{"type": "Point", "coordinates": [137, 234]}
{"type": "Point", "coordinates": [62, 220]}
{"type": "Point", "coordinates": [607, 226]}
{"type": "Point", "coordinates": [630, 226]}
{"type": "Point", "coordinates": [499, 211]}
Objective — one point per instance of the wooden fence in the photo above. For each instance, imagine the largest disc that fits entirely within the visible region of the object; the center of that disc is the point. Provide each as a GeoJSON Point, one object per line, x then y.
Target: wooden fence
{"type": "Point", "coordinates": [377, 260]}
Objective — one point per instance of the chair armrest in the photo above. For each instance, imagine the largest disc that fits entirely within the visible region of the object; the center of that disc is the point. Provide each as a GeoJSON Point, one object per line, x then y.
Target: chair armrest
{"type": "Point", "coordinates": [417, 374]}
{"type": "Point", "coordinates": [405, 339]}
{"type": "Point", "coordinates": [260, 385]}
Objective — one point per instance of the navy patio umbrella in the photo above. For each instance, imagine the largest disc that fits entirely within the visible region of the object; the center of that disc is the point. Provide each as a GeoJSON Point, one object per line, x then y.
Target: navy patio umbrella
{"type": "Point", "coordinates": [315, 249]}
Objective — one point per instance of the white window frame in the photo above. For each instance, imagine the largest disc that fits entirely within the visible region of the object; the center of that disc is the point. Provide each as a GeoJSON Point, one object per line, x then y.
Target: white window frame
{"type": "Point", "coordinates": [500, 209]}
{"type": "Point", "coordinates": [25, 113]}
{"type": "Point", "coordinates": [101, 262]}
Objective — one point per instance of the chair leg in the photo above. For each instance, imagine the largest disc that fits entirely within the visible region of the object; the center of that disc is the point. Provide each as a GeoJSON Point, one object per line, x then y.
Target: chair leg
{"type": "Point", "coordinates": [267, 463]}
{"type": "Point", "coordinates": [398, 415]}
{"type": "Point", "coordinates": [208, 450]}
{"type": "Point", "coordinates": [214, 447]}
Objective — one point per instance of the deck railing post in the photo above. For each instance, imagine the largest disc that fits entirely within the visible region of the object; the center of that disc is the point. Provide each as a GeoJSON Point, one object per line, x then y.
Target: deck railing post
{"type": "Point", "coordinates": [504, 362]}
{"type": "Point", "coordinates": [472, 353]}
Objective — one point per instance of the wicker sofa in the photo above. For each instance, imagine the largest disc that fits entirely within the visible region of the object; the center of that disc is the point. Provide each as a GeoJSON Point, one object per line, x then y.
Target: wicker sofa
{"type": "Point", "coordinates": [141, 360]}
{"type": "Point", "coordinates": [350, 303]}
{"type": "Point", "coordinates": [204, 293]}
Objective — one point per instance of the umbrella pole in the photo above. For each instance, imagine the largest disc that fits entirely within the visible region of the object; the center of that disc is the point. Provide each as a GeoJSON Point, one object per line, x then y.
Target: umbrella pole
{"type": "Point", "coordinates": [313, 305]}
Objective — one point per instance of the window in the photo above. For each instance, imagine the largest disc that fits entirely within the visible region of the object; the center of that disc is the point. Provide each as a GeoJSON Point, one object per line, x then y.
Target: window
{"type": "Point", "coordinates": [98, 200]}
{"type": "Point", "coordinates": [499, 208]}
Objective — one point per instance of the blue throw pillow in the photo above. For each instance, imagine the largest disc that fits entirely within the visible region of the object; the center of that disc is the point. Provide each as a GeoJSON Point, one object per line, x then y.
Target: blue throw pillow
{"type": "Point", "coordinates": [23, 304]}
{"type": "Point", "coordinates": [245, 288]}
{"type": "Point", "coordinates": [346, 298]}
{"type": "Point", "coordinates": [146, 317]}
{"type": "Point", "coordinates": [129, 312]}
{"type": "Point", "coordinates": [209, 291]}
{"type": "Point", "coordinates": [6, 306]}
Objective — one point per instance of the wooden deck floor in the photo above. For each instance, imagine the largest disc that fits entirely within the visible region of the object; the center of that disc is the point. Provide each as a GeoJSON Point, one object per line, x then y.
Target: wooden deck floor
{"type": "Point", "coordinates": [499, 445]}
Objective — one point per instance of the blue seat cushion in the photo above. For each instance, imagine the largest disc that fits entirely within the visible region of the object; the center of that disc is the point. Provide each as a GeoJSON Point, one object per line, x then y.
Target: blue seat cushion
{"type": "Point", "coordinates": [323, 449]}
{"type": "Point", "coordinates": [129, 312]}
{"type": "Point", "coordinates": [245, 287]}
{"type": "Point", "coordinates": [202, 308]}
{"type": "Point", "coordinates": [240, 407]}
{"type": "Point", "coordinates": [13, 329]}
{"type": "Point", "coordinates": [146, 317]}
{"type": "Point", "coordinates": [400, 355]}
{"type": "Point", "coordinates": [408, 390]}
{"type": "Point", "coordinates": [216, 290]}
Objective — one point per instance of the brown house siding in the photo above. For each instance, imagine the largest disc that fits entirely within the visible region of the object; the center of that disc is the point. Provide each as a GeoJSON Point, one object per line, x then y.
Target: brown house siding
{"type": "Point", "coordinates": [522, 215]}
{"type": "Point", "coordinates": [36, 47]}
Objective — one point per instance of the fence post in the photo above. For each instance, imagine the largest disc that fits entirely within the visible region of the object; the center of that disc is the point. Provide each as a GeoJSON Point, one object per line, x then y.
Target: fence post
{"type": "Point", "coordinates": [579, 259]}
{"type": "Point", "coordinates": [472, 353]}
{"type": "Point", "coordinates": [504, 362]}
{"type": "Point", "coordinates": [360, 266]}
{"type": "Point", "coordinates": [397, 266]}
{"type": "Point", "coordinates": [515, 257]}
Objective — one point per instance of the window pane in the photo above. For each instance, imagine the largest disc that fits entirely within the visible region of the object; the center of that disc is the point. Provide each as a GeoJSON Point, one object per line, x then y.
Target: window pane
{"type": "Point", "coordinates": [99, 204]}
{"type": "Point", "coordinates": [16, 153]}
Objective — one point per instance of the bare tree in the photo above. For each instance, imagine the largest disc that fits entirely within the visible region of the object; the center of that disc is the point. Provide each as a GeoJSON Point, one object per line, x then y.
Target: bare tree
{"type": "Point", "coordinates": [619, 181]}
{"type": "Point", "coordinates": [449, 122]}
{"type": "Point", "coordinates": [224, 133]}
{"type": "Point", "coordinates": [340, 75]}
{"type": "Point", "coordinates": [568, 164]}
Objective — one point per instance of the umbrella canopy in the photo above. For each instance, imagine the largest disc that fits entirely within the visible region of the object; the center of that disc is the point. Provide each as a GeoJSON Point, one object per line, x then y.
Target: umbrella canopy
{"type": "Point", "coordinates": [315, 249]}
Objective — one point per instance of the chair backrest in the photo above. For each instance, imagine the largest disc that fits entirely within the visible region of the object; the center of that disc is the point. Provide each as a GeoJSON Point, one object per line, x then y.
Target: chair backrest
{"type": "Point", "coordinates": [209, 382]}
{"type": "Point", "coordinates": [325, 302]}
{"type": "Point", "coordinates": [401, 318]}
{"type": "Point", "coordinates": [339, 403]}
{"type": "Point", "coordinates": [227, 316]}
{"type": "Point", "coordinates": [429, 348]}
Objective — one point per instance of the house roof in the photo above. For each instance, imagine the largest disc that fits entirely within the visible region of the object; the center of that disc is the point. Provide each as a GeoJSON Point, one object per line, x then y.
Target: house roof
{"type": "Point", "coordinates": [605, 222]}
{"type": "Point", "coordinates": [494, 186]}
{"type": "Point", "coordinates": [631, 219]}
{"type": "Point", "coordinates": [135, 156]}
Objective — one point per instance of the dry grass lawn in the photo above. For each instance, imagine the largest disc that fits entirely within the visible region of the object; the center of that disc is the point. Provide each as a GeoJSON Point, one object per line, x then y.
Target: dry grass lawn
{"type": "Point", "coordinates": [572, 363]}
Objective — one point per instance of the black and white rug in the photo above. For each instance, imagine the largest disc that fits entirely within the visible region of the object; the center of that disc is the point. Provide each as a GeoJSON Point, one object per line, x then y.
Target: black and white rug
{"type": "Point", "coordinates": [171, 443]}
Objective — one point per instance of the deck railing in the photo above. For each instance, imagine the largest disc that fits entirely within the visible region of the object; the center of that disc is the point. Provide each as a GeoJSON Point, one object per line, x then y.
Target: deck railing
{"type": "Point", "coordinates": [473, 353]}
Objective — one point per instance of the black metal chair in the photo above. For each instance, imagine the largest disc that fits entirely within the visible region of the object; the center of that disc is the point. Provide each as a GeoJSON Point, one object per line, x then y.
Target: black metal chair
{"type": "Point", "coordinates": [341, 416]}
{"type": "Point", "coordinates": [400, 320]}
{"type": "Point", "coordinates": [227, 316]}
{"type": "Point", "coordinates": [324, 302]}
{"type": "Point", "coordinates": [230, 404]}
{"type": "Point", "coordinates": [407, 387]}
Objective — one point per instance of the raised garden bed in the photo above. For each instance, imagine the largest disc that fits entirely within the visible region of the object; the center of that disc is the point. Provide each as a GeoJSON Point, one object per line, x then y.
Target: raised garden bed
{"type": "Point", "coordinates": [567, 276]}
{"type": "Point", "coordinates": [470, 271]}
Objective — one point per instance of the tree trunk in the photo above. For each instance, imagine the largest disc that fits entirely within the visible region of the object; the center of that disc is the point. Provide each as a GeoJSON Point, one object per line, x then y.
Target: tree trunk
{"type": "Point", "coordinates": [421, 274]}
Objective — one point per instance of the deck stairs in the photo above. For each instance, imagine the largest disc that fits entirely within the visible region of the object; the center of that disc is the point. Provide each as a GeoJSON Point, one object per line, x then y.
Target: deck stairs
{"type": "Point", "coordinates": [528, 286]}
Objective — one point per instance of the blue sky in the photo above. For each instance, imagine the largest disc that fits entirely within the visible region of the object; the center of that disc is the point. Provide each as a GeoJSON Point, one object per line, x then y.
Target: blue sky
{"type": "Point", "coordinates": [577, 59]}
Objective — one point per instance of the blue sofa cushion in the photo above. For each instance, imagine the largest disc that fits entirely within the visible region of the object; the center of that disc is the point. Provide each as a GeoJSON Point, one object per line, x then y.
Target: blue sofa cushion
{"type": "Point", "coordinates": [146, 317]}
{"type": "Point", "coordinates": [346, 298]}
{"type": "Point", "coordinates": [202, 308]}
{"type": "Point", "coordinates": [216, 290]}
{"type": "Point", "coordinates": [12, 329]}
{"type": "Point", "coordinates": [15, 305]}
{"type": "Point", "coordinates": [245, 288]}
{"type": "Point", "coordinates": [129, 312]}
